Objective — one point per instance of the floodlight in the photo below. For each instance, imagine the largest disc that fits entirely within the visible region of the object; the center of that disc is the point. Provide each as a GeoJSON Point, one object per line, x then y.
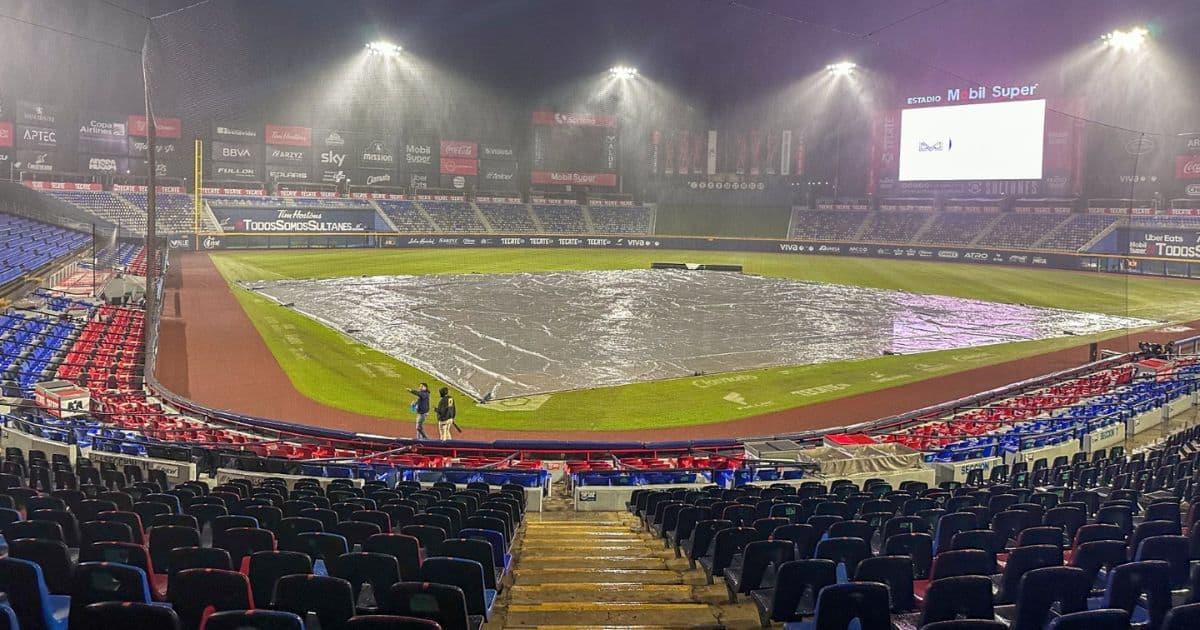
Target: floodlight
{"type": "Point", "coordinates": [386, 49]}
{"type": "Point", "coordinates": [1126, 41]}
{"type": "Point", "coordinates": [623, 72]}
{"type": "Point", "coordinates": [841, 68]}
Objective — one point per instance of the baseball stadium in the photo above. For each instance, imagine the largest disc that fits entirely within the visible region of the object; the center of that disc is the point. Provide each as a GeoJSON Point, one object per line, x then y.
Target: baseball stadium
{"type": "Point", "coordinates": [378, 315]}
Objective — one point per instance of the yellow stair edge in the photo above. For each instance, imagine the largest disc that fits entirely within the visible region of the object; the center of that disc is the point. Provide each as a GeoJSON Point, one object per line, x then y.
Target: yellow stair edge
{"type": "Point", "coordinates": [607, 587]}
{"type": "Point", "coordinates": [603, 607]}
{"type": "Point", "coordinates": [593, 570]}
{"type": "Point", "coordinates": [599, 558]}
{"type": "Point", "coordinates": [598, 548]}
{"type": "Point", "coordinates": [618, 627]}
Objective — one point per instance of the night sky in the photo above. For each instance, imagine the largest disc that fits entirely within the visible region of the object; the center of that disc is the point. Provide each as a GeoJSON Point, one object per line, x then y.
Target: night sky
{"type": "Point", "coordinates": [712, 52]}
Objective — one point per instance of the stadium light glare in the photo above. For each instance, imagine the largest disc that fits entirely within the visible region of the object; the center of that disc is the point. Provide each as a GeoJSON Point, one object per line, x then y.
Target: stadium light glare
{"type": "Point", "coordinates": [1126, 41]}
{"type": "Point", "coordinates": [386, 49]}
{"type": "Point", "coordinates": [623, 72]}
{"type": "Point", "coordinates": [841, 68]}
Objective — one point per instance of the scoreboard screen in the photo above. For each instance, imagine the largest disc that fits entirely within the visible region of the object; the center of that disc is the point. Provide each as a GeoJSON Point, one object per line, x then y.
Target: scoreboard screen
{"type": "Point", "coordinates": [574, 148]}
{"type": "Point", "coordinates": [982, 141]}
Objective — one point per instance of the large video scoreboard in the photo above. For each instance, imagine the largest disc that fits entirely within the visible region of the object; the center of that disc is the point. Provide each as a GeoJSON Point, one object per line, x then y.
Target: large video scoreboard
{"type": "Point", "coordinates": [574, 149]}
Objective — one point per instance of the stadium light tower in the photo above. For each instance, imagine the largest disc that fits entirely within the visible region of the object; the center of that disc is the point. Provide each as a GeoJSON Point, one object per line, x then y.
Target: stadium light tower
{"type": "Point", "coordinates": [623, 72]}
{"type": "Point", "coordinates": [841, 68]}
{"type": "Point", "coordinates": [1126, 41]}
{"type": "Point", "coordinates": [387, 49]}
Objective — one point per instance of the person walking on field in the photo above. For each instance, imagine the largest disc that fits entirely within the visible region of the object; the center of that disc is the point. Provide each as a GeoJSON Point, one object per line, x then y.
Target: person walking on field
{"type": "Point", "coordinates": [421, 407]}
{"type": "Point", "coordinates": [445, 414]}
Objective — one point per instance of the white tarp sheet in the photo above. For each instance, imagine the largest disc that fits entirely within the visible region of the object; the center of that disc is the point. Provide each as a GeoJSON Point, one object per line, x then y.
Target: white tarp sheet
{"type": "Point", "coordinates": [507, 335]}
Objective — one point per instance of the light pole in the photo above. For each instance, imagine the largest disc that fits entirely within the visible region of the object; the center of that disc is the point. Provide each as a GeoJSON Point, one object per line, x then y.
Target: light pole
{"type": "Point", "coordinates": [839, 70]}
{"type": "Point", "coordinates": [621, 73]}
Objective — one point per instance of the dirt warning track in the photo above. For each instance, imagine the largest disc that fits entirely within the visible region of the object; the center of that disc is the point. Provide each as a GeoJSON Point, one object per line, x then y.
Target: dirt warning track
{"type": "Point", "coordinates": [210, 352]}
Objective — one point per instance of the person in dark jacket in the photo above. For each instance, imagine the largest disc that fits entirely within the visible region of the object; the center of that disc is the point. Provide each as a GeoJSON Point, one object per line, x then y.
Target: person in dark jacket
{"type": "Point", "coordinates": [445, 414]}
{"type": "Point", "coordinates": [421, 407]}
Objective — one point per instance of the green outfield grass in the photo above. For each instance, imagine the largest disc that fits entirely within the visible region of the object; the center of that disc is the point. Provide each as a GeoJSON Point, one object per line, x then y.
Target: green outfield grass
{"type": "Point", "coordinates": [337, 371]}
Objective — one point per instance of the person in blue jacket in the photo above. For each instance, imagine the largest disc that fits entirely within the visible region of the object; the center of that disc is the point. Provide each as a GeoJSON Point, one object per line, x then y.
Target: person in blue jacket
{"type": "Point", "coordinates": [421, 407]}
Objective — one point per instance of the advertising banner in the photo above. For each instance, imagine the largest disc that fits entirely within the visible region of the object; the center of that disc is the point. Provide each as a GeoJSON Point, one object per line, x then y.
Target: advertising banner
{"type": "Point", "coordinates": [237, 192]}
{"type": "Point", "coordinates": [1062, 170]}
{"type": "Point", "coordinates": [290, 155]}
{"type": "Point", "coordinates": [573, 119]}
{"type": "Point", "coordinates": [163, 148]}
{"type": "Point", "coordinates": [743, 149]}
{"type": "Point", "coordinates": [369, 177]}
{"type": "Point", "coordinates": [164, 127]}
{"type": "Point", "coordinates": [277, 173]}
{"type": "Point", "coordinates": [103, 135]}
{"type": "Point", "coordinates": [42, 137]}
{"type": "Point", "coordinates": [38, 161]}
{"type": "Point", "coordinates": [711, 157]}
{"type": "Point", "coordinates": [6, 134]}
{"type": "Point", "coordinates": [419, 156]}
{"type": "Point", "coordinates": [237, 132]}
{"type": "Point", "coordinates": [459, 149]}
{"type": "Point", "coordinates": [418, 181]}
{"type": "Point", "coordinates": [573, 178]}
{"type": "Point", "coordinates": [103, 164]}
{"type": "Point", "coordinates": [294, 220]}
{"type": "Point", "coordinates": [377, 154]}
{"type": "Point", "coordinates": [497, 151]}
{"type": "Point", "coordinates": [290, 136]}
{"type": "Point", "coordinates": [459, 166]}
{"type": "Point", "coordinates": [498, 175]}
{"type": "Point", "coordinates": [460, 182]}
{"type": "Point", "coordinates": [785, 152]}
{"type": "Point", "coordinates": [236, 171]}
{"type": "Point", "coordinates": [136, 188]}
{"type": "Point", "coordinates": [1187, 167]}
{"type": "Point", "coordinates": [1188, 143]}
{"type": "Point", "coordinates": [163, 168]}
{"type": "Point", "coordinates": [234, 152]}
{"type": "Point", "coordinates": [1182, 244]}
{"type": "Point", "coordinates": [799, 153]}
{"type": "Point", "coordinates": [37, 115]}
{"type": "Point", "coordinates": [669, 153]}
{"type": "Point", "coordinates": [333, 151]}
{"type": "Point", "coordinates": [1123, 161]}
{"type": "Point", "coordinates": [885, 152]}
{"type": "Point", "coordinates": [683, 145]}
{"type": "Point", "coordinates": [960, 255]}
{"type": "Point", "coordinates": [654, 152]}
{"type": "Point", "coordinates": [1187, 163]}
{"type": "Point", "coordinates": [771, 158]}
{"type": "Point", "coordinates": [611, 151]}
{"type": "Point", "coordinates": [755, 143]}
{"type": "Point", "coordinates": [38, 185]}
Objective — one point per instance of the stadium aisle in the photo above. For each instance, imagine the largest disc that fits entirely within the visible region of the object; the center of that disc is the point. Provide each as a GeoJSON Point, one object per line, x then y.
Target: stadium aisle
{"type": "Point", "coordinates": [597, 570]}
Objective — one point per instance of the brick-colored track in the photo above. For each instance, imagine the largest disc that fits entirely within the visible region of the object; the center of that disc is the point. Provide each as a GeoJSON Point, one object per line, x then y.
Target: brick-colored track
{"type": "Point", "coordinates": [210, 352]}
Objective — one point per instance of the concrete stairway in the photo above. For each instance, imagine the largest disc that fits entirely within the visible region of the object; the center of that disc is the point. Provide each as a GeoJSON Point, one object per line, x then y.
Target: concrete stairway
{"type": "Point", "coordinates": [598, 570]}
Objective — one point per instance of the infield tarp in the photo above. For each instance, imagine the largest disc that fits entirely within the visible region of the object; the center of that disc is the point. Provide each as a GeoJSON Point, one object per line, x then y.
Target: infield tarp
{"type": "Point", "coordinates": [508, 335]}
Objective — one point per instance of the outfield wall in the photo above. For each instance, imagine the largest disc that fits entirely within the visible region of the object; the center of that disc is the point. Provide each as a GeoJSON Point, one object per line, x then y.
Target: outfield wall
{"type": "Point", "coordinates": [975, 255]}
{"type": "Point", "coordinates": [1110, 263]}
